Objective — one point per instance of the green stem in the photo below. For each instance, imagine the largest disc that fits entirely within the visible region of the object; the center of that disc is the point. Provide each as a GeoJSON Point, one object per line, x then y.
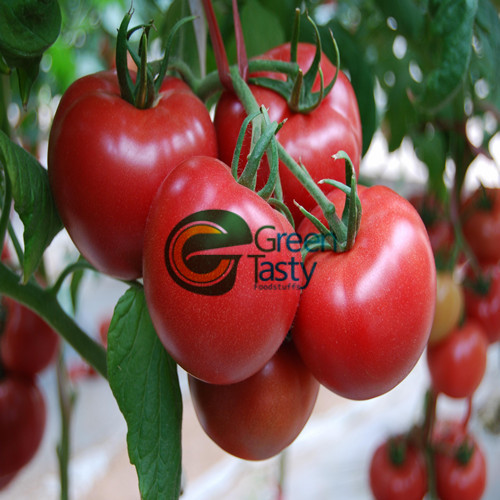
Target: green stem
{"type": "Point", "coordinates": [66, 404]}
{"type": "Point", "coordinates": [46, 305]}
{"type": "Point", "coordinates": [5, 215]}
{"type": "Point", "coordinates": [427, 430]}
{"type": "Point", "coordinates": [76, 266]}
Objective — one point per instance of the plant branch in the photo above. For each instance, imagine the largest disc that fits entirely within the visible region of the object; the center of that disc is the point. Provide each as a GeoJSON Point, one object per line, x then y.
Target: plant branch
{"type": "Point", "coordinates": [46, 305]}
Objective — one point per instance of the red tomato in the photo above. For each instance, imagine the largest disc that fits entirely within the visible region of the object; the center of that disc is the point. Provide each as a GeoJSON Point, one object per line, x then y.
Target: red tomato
{"type": "Point", "coordinates": [309, 138]}
{"type": "Point", "coordinates": [484, 306]}
{"type": "Point", "coordinates": [391, 479]}
{"type": "Point", "coordinates": [106, 160]}
{"type": "Point", "coordinates": [458, 362]}
{"type": "Point", "coordinates": [365, 317]}
{"type": "Point", "coordinates": [460, 465]}
{"type": "Point", "coordinates": [28, 345]}
{"type": "Point", "coordinates": [6, 480]}
{"type": "Point", "coordinates": [481, 224]}
{"type": "Point", "coordinates": [438, 224]}
{"type": "Point", "coordinates": [259, 417]}
{"type": "Point", "coordinates": [221, 298]}
{"type": "Point", "coordinates": [22, 422]}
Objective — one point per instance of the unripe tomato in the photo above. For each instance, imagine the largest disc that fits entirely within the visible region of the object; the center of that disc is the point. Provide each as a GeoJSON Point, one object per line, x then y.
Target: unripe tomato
{"type": "Point", "coordinates": [449, 306]}
{"type": "Point", "coordinates": [257, 418]}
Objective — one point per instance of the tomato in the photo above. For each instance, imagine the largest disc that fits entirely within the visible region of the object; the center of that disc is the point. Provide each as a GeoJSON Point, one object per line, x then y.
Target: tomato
{"type": "Point", "coordinates": [460, 465]}
{"type": "Point", "coordinates": [481, 224]}
{"type": "Point", "coordinates": [6, 480]}
{"type": "Point", "coordinates": [309, 138]}
{"type": "Point", "coordinates": [222, 283]}
{"type": "Point", "coordinates": [259, 417]}
{"type": "Point", "coordinates": [28, 345]}
{"type": "Point", "coordinates": [398, 478]}
{"type": "Point", "coordinates": [106, 160]}
{"type": "Point", "coordinates": [457, 363]}
{"type": "Point", "coordinates": [22, 422]}
{"type": "Point", "coordinates": [365, 318]}
{"type": "Point", "coordinates": [484, 305]}
{"type": "Point", "coordinates": [449, 306]}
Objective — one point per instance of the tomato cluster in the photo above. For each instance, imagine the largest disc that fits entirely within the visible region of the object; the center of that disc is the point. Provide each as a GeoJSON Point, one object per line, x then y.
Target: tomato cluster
{"type": "Point", "coordinates": [27, 346]}
{"type": "Point", "coordinates": [466, 323]}
{"type": "Point", "coordinates": [256, 318]}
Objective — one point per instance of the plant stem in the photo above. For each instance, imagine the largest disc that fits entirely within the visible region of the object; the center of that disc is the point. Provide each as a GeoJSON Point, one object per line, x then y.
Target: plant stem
{"type": "Point", "coordinates": [46, 305]}
{"type": "Point", "coordinates": [66, 403]}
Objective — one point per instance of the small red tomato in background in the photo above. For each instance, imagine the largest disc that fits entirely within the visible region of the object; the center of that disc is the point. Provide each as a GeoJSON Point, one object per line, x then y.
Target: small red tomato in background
{"type": "Point", "coordinates": [398, 472]}
{"type": "Point", "coordinates": [482, 302]}
{"type": "Point", "coordinates": [460, 464]}
{"type": "Point", "coordinates": [438, 224]}
{"type": "Point", "coordinates": [221, 286]}
{"type": "Point", "coordinates": [28, 344]}
{"type": "Point", "coordinates": [259, 417]}
{"type": "Point", "coordinates": [481, 224]}
{"type": "Point", "coordinates": [457, 363]}
{"type": "Point", "coordinates": [364, 319]}
{"type": "Point", "coordinates": [311, 138]}
{"type": "Point", "coordinates": [106, 160]}
{"type": "Point", "coordinates": [22, 422]}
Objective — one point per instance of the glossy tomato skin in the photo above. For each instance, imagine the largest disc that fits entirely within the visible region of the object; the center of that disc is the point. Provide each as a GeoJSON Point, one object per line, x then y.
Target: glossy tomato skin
{"type": "Point", "coordinates": [257, 418]}
{"type": "Point", "coordinates": [484, 306]}
{"type": "Point", "coordinates": [28, 344]}
{"type": "Point", "coordinates": [22, 422]}
{"type": "Point", "coordinates": [454, 479]}
{"type": "Point", "coordinates": [106, 160]}
{"type": "Point", "coordinates": [365, 317]}
{"type": "Point", "coordinates": [226, 337]}
{"type": "Point", "coordinates": [481, 224]}
{"type": "Point", "coordinates": [458, 362]}
{"type": "Point", "coordinates": [398, 481]}
{"type": "Point", "coordinates": [311, 138]}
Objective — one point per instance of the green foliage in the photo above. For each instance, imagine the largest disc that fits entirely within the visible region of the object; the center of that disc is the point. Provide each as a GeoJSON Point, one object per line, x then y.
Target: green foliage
{"type": "Point", "coordinates": [32, 201]}
{"type": "Point", "coordinates": [27, 29]}
{"type": "Point", "coordinates": [144, 381]}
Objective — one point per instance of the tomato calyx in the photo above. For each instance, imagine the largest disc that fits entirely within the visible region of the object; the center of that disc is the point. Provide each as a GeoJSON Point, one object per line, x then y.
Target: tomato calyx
{"type": "Point", "coordinates": [143, 92]}
{"type": "Point", "coordinates": [340, 234]}
{"type": "Point", "coordinates": [396, 449]}
{"type": "Point", "coordinates": [297, 88]}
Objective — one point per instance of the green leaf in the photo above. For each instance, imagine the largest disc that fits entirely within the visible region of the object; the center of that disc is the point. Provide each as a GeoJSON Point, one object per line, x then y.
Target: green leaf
{"type": "Point", "coordinates": [353, 58]}
{"type": "Point", "coordinates": [408, 15]}
{"type": "Point", "coordinates": [452, 28]}
{"type": "Point", "coordinates": [27, 28]}
{"type": "Point", "coordinates": [485, 63]}
{"type": "Point", "coordinates": [143, 378]}
{"type": "Point", "coordinates": [262, 28]}
{"type": "Point", "coordinates": [32, 201]}
{"type": "Point", "coordinates": [430, 147]}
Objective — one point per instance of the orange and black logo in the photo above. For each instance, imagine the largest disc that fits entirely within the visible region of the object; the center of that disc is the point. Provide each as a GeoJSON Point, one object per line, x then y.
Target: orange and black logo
{"type": "Point", "coordinates": [198, 252]}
